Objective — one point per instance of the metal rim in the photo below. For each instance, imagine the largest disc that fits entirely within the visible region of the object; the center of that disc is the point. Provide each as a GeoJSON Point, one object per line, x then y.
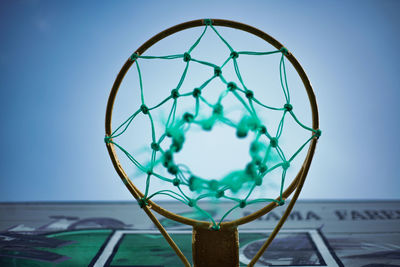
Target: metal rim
{"type": "Point", "coordinates": [298, 180]}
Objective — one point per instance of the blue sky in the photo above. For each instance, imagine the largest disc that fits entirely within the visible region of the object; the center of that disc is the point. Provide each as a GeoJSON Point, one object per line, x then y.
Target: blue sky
{"type": "Point", "coordinates": [59, 60]}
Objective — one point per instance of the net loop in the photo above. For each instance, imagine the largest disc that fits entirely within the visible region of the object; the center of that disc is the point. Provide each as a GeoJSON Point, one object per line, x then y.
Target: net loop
{"type": "Point", "coordinates": [284, 50]}
{"type": "Point", "coordinates": [318, 133]}
{"type": "Point", "coordinates": [143, 202]}
{"type": "Point", "coordinates": [208, 22]}
{"type": "Point", "coordinates": [107, 139]}
{"type": "Point", "coordinates": [134, 56]}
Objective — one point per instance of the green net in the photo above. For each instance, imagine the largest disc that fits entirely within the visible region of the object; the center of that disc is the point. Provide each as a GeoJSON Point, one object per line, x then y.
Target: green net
{"type": "Point", "coordinates": [262, 144]}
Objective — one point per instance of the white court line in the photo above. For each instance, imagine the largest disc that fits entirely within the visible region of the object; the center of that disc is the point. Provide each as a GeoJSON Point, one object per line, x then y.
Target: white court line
{"type": "Point", "coordinates": [323, 249]}
{"type": "Point", "coordinates": [315, 236]}
{"type": "Point", "coordinates": [107, 252]}
{"type": "Point", "coordinates": [101, 261]}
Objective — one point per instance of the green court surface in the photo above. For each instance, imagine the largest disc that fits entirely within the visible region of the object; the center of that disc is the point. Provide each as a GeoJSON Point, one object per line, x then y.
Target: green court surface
{"type": "Point", "coordinates": [83, 248]}
{"type": "Point", "coordinates": [326, 233]}
{"type": "Point", "coordinates": [138, 248]}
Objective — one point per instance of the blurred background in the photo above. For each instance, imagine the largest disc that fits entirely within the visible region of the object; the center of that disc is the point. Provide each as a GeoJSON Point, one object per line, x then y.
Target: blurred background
{"type": "Point", "coordinates": [59, 60]}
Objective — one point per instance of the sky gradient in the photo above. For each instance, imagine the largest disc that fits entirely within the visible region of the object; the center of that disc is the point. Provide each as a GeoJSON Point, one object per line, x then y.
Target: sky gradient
{"type": "Point", "coordinates": [59, 60]}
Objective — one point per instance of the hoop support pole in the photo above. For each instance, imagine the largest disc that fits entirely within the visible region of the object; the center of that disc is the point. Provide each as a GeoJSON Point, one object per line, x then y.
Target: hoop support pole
{"type": "Point", "coordinates": [215, 248]}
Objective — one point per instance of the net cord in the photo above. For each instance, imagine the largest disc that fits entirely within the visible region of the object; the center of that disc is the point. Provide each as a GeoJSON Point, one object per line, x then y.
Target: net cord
{"type": "Point", "coordinates": [299, 180]}
{"type": "Point", "coordinates": [172, 118]}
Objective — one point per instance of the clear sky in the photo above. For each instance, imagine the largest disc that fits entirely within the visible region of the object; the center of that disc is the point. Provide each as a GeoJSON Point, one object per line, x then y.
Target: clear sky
{"type": "Point", "coordinates": [59, 60]}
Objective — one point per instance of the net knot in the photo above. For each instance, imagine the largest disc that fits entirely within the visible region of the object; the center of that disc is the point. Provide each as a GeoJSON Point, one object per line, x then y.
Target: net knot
{"type": "Point", "coordinates": [155, 146]}
{"type": "Point", "coordinates": [192, 183]}
{"type": "Point", "coordinates": [218, 109]}
{"type": "Point", "coordinates": [178, 138]}
{"type": "Point", "coordinates": [249, 94]}
{"type": "Point", "coordinates": [242, 203]}
{"type": "Point", "coordinates": [173, 169]}
{"type": "Point", "coordinates": [318, 133]}
{"type": "Point", "coordinates": [288, 107]}
{"type": "Point", "coordinates": [144, 109]}
{"type": "Point", "coordinates": [196, 92]}
{"type": "Point", "coordinates": [134, 56]}
{"type": "Point", "coordinates": [273, 142]}
{"type": "Point", "coordinates": [174, 93]}
{"type": "Point", "coordinates": [186, 57]}
{"type": "Point", "coordinates": [241, 132]}
{"type": "Point", "coordinates": [213, 184]}
{"type": "Point", "coordinates": [177, 142]}
{"type": "Point", "coordinates": [215, 227]}
{"type": "Point", "coordinates": [281, 202]}
{"type": "Point", "coordinates": [243, 127]}
{"type": "Point", "coordinates": [176, 182]}
{"type": "Point", "coordinates": [258, 181]}
{"type": "Point", "coordinates": [217, 71]}
{"type": "Point", "coordinates": [208, 22]}
{"type": "Point", "coordinates": [251, 170]}
{"type": "Point", "coordinates": [191, 203]}
{"type": "Point", "coordinates": [149, 172]}
{"type": "Point", "coordinates": [263, 168]}
{"type": "Point", "coordinates": [234, 54]}
{"type": "Point", "coordinates": [286, 165]}
{"type": "Point", "coordinates": [220, 193]}
{"type": "Point", "coordinates": [167, 158]}
{"type": "Point", "coordinates": [142, 202]}
{"type": "Point", "coordinates": [284, 50]}
{"type": "Point", "coordinates": [187, 117]}
{"type": "Point", "coordinates": [107, 139]}
{"type": "Point", "coordinates": [263, 129]}
{"type": "Point", "coordinates": [231, 86]}
{"type": "Point", "coordinates": [255, 147]}
{"type": "Point", "coordinates": [208, 124]}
